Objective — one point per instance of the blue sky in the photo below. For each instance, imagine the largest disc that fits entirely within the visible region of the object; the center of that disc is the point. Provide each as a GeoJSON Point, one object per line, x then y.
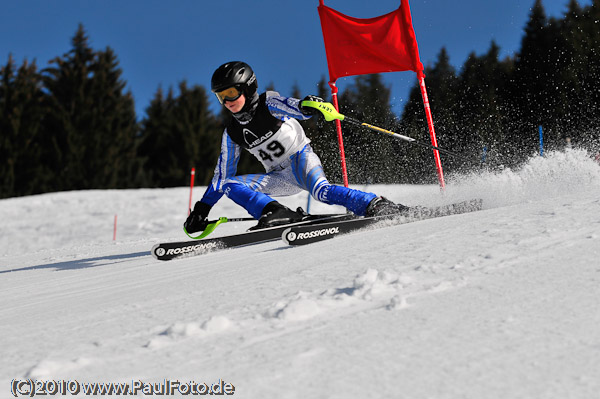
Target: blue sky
{"type": "Point", "coordinates": [160, 43]}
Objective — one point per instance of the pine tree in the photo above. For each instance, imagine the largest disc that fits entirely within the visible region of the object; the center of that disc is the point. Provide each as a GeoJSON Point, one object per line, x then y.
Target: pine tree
{"type": "Point", "coordinates": [570, 115]}
{"type": "Point", "coordinates": [553, 82]}
{"type": "Point", "coordinates": [154, 142]}
{"type": "Point", "coordinates": [91, 125]}
{"type": "Point", "coordinates": [482, 108]}
{"type": "Point", "coordinates": [442, 89]}
{"type": "Point", "coordinates": [592, 84]}
{"type": "Point", "coordinates": [533, 82]}
{"type": "Point", "coordinates": [199, 130]}
{"type": "Point", "coordinates": [441, 82]}
{"type": "Point", "coordinates": [21, 115]}
{"type": "Point", "coordinates": [587, 132]}
{"type": "Point", "coordinates": [371, 157]}
{"type": "Point", "coordinates": [179, 133]}
{"type": "Point", "coordinates": [115, 124]}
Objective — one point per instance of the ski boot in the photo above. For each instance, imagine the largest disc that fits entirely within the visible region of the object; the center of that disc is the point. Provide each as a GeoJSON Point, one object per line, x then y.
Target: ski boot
{"type": "Point", "coordinates": [381, 206]}
{"type": "Point", "coordinates": [275, 214]}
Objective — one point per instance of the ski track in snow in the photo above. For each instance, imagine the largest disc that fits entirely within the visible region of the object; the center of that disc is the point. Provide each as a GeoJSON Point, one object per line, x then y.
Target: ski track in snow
{"type": "Point", "coordinates": [494, 304]}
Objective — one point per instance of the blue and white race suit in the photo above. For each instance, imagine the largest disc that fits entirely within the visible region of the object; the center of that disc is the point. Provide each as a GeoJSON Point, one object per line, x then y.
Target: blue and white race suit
{"type": "Point", "coordinates": [278, 141]}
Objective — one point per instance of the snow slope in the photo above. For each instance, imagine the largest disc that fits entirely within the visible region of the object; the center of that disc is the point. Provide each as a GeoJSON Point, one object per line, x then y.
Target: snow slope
{"type": "Point", "coordinates": [501, 303]}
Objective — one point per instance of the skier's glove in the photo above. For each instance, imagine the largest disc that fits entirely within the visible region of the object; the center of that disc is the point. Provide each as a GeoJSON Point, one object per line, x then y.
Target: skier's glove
{"type": "Point", "coordinates": [310, 110]}
{"type": "Point", "coordinates": [197, 221]}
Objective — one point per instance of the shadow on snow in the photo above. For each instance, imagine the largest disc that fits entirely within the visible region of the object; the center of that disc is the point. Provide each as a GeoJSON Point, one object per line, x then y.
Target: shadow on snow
{"type": "Point", "coordinates": [80, 263]}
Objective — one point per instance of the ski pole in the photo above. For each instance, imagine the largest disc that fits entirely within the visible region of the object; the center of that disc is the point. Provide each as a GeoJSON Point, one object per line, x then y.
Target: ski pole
{"type": "Point", "coordinates": [330, 114]}
{"type": "Point", "coordinates": [212, 225]}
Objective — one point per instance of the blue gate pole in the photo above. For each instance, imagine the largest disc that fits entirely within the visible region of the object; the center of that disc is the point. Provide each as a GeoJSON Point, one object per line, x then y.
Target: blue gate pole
{"type": "Point", "coordinates": [541, 141]}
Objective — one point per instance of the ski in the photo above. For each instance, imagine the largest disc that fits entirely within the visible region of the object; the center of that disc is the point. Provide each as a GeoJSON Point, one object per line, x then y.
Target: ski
{"type": "Point", "coordinates": [302, 235]}
{"type": "Point", "coordinates": [173, 250]}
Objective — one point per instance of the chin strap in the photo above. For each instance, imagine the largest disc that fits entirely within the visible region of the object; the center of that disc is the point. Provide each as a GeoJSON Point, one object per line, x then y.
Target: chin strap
{"type": "Point", "coordinates": [247, 113]}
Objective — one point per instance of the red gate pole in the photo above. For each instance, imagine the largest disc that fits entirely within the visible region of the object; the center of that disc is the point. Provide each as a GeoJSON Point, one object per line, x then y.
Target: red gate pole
{"type": "Point", "coordinates": [338, 127]}
{"type": "Point", "coordinates": [436, 153]}
{"type": "Point", "coordinates": [115, 229]}
{"type": "Point", "coordinates": [193, 173]}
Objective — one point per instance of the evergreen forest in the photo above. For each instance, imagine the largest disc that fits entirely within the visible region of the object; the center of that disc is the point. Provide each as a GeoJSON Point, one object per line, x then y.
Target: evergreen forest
{"type": "Point", "coordinates": [73, 126]}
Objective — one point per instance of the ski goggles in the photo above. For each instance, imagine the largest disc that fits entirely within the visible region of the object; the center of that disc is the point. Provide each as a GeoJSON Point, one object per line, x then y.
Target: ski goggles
{"type": "Point", "coordinates": [229, 94]}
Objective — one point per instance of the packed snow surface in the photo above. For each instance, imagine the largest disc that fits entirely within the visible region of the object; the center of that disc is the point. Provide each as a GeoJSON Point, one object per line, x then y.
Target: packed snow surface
{"type": "Point", "coordinates": [501, 303]}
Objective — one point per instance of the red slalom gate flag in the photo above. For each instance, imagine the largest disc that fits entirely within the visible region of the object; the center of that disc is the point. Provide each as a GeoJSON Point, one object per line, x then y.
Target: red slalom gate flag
{"type": "Point", "coordinates": [357, 46]}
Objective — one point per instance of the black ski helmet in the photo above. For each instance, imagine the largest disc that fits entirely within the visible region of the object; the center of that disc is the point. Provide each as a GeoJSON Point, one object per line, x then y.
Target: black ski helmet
{"type": "Point", "coordinates": [235, 73]}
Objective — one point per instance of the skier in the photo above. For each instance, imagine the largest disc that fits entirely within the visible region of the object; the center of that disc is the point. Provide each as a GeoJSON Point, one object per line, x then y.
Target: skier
{"type": "Point", "coordinates": [266, 125]}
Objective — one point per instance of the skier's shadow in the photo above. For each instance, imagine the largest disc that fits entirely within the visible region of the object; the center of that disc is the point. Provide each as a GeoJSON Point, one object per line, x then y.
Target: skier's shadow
{"type": "Point", "coordinates": [80, 263]}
